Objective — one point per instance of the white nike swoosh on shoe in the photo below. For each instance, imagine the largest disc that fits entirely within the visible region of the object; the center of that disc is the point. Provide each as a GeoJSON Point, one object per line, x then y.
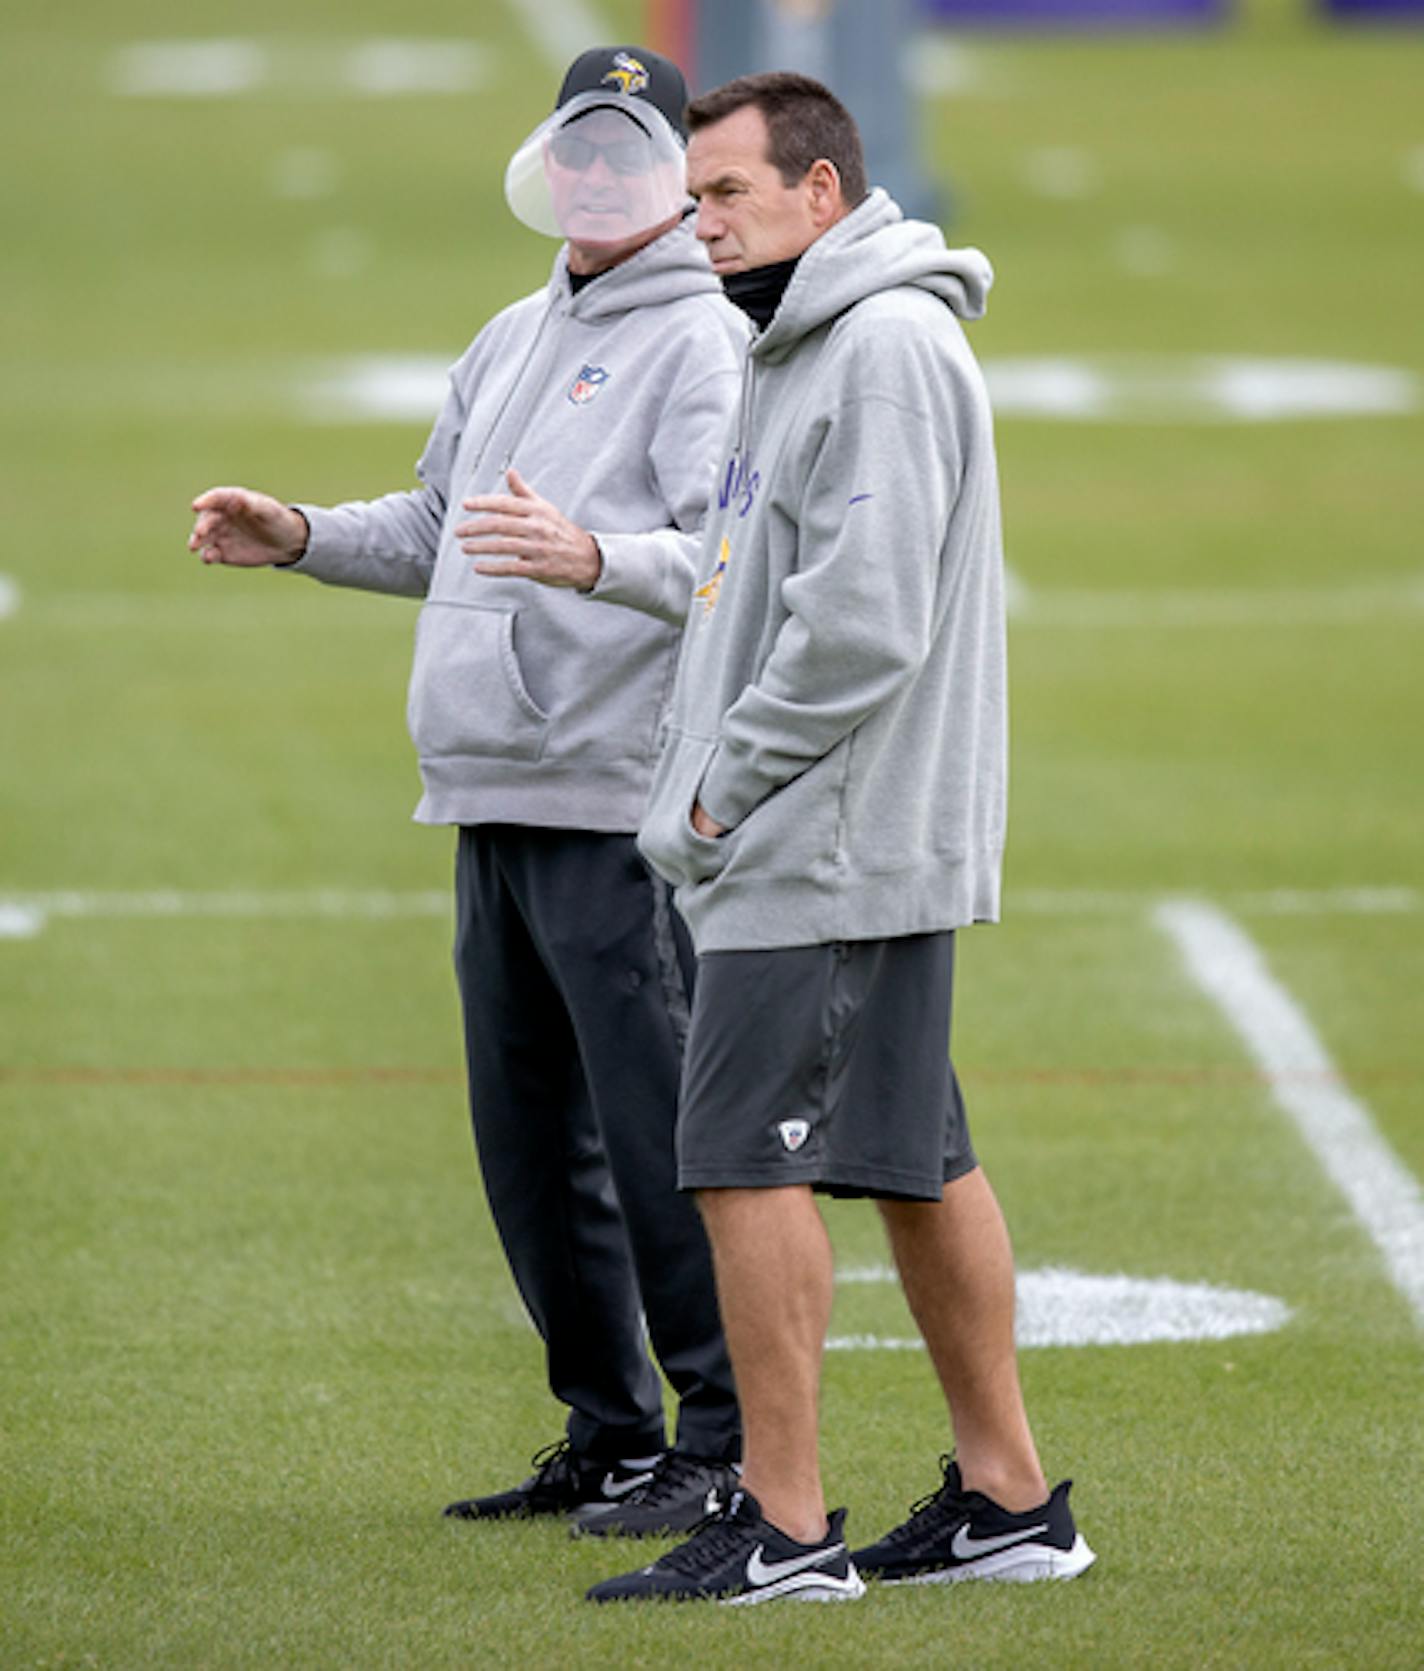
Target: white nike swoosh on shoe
{"type": "Point", "coordinates": [617, 1488]}
{"type": "Point", "coordinates": [761, 1572]}
{"type": "Point", "coordinates": [967, 1548]}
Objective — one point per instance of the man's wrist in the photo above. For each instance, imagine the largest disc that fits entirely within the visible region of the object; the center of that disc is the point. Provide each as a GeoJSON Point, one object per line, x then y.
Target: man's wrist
{"type": "Point", "coordinates": [303, 540]}
{"type": "Point", "coordinates": [597, 550]}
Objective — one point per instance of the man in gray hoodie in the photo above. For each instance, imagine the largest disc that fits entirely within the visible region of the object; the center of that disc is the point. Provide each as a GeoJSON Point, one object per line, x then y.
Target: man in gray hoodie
{"type": "Point", "coordinates": [581, 422]}
{"type": "Point", "coordinates": [830, 804]}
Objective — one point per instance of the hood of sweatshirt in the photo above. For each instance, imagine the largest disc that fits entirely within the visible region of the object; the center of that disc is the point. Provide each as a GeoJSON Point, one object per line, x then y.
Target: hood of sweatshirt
{"type": "Point", "coordinates": [669, 269]}
{"type": "Point", "coordinates": [873, 249]}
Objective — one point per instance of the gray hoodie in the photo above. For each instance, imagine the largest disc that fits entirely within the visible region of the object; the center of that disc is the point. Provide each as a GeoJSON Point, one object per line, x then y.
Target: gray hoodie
{"type": "Point", "coordinates": [840, 696]}
{"type": "Point", "coordinates": [530, 705]}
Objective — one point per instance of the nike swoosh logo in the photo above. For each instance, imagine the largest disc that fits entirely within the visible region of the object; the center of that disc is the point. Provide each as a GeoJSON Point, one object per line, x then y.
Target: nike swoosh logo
{"type": "Point", "coordinates": [761, 1572]}
{"type": "Point", "coordinates": [616, 1488]}
{"type": "Point", "coordinates": [965, 1548]}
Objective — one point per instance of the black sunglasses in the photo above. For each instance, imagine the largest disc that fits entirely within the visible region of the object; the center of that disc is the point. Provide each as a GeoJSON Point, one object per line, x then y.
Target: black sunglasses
{"type": "Point", "coordinates": [623, 156]}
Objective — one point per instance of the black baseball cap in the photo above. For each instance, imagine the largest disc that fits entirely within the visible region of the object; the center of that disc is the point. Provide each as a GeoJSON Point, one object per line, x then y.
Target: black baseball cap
{"type": "Point", "coordinates": [633, 71]}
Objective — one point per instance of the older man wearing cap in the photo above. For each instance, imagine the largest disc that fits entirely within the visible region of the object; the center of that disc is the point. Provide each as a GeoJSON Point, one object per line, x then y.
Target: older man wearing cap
{"type": "Point", "coordinates": [577, 436]}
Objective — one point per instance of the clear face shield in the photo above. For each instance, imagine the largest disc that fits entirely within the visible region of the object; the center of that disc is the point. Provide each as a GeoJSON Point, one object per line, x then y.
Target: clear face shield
{"type": "Point", "coordinates": [603, 169]}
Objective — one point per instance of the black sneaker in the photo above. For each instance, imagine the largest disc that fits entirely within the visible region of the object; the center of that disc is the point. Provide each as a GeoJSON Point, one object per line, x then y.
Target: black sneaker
{"type": "Point", "coordinates": [739, 1558]}
{"type": "Point", "coordinates": [562, 1481]}
{"type": "Point", "coordinates": [955, 1534]}
{"type": "Point", "coordinates": [683, 1492]}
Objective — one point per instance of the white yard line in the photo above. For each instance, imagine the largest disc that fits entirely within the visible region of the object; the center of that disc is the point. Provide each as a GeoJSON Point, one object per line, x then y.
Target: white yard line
{"type": "Point", "coordinates": [335, 903]}
{"type": "Point", "coordinates": [561, 29]}
{"type": "Point", "coordinates": [372, 67]}
{"type": "Point", "coordinates": [20, 922]}
{"type": "Point", "coordinates": [9, 597]}
{"type": "Point", "coordinates": [188, 69]}
{"type": "Point", "coordinates": [1186, 388]}
{"type": "Point", "coordinates": [1348, 902]}
{"type": "Point", "coordinates": [23, 914]}
{"type": "Point", "coordinates": [1383, 1195]}
{"type": "Point", "coordinates": [1017, 599]}
{"type": "Point", "coordinates": [1266, 902]}
{"type": "Point", "coordinates": [1208, 388]}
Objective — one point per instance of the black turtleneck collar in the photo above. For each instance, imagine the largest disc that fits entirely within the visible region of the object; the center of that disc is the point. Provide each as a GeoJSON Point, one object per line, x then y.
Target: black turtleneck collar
{"type": "Point", "coordinates": [758, 291]}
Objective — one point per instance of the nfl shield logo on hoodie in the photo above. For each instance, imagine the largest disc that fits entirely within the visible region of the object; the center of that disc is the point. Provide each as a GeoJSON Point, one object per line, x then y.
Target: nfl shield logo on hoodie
{"type": "Point", "coordinates": [793, 1134]}
{"type": "Point", "coordinates": [587, 384]}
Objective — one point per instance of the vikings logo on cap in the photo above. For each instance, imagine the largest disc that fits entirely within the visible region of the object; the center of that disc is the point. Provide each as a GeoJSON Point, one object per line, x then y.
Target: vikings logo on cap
{"type": "Point", "coordinates": [627, 74]}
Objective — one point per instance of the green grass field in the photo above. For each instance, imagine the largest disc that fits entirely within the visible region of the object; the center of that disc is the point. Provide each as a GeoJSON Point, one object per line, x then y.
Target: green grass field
{"type": "Point", "coordinates": [255, 1330]}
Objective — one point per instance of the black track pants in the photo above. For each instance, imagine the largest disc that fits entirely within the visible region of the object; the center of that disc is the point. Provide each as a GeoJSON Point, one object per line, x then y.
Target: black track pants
{"type": "Point", "coordinates": [575, 972]}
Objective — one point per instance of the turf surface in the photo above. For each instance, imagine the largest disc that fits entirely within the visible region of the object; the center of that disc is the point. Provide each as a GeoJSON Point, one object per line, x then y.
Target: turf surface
{"type": "Point", "coordinates": [254, 1329]}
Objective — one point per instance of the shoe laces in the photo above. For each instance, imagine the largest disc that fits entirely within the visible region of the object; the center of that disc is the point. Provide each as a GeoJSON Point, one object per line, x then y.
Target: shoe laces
{"type": "Point", "coordinates": [713, 1540]}
{"type": "Point", "coordinates": [552, 1465]}
{"type": "Point", "coordinates": [671, 1479]}
{"type": "Point", "coordinates": [943, 1503]}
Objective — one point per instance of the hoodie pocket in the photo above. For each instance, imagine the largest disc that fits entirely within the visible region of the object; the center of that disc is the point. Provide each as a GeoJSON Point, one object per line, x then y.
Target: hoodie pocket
{"type": "Point", "coordinates": [467, 693]}
{"type": "Point", "coordinates": [667, 838]}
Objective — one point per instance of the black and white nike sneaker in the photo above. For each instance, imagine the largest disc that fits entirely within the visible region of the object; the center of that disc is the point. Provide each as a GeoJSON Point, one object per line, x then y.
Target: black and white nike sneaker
{"type": "Point", "coordinates": [683, 1492]}
{"type": "Point", "coordinates": [562, 1482]}
{"type": "Point", "coordinates": [955, 1534]}
{"type": "Point", "coordinates": [739, 1558]}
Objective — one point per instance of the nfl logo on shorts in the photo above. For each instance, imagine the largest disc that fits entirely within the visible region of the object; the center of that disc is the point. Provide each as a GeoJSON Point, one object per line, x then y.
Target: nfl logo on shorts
{"type": "Point", "coordinates": [587, 384]}
{"type": "Point", "coordinates": [793, 1134]}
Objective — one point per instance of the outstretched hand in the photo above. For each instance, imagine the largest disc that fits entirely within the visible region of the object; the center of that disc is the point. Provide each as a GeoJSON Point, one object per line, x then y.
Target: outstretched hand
{"type": "Point", "coordinates": [518, 533]}
{"type": "Point", "coordinates": [246, 529]}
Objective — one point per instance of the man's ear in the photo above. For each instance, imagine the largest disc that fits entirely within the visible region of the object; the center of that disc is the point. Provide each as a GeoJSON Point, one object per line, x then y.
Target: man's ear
{"type": "Point", "coordinates": [824, 195]}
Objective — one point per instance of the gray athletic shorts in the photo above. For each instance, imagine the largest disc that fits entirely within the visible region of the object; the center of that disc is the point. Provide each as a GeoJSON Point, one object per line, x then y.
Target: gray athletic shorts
{"type": "Point", "coordinates": [824, 1065]}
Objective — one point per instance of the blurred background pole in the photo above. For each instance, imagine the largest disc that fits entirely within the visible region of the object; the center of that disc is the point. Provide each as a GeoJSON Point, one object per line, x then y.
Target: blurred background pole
{"type": "Point", "coordinates": [859, 48]}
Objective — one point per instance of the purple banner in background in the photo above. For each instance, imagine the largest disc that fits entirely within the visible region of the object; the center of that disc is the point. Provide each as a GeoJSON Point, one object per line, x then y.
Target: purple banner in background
{"type": "Point", "coordinates": [1075, 13]}
{"type": "Point", "coordinates": [1407, 9]}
